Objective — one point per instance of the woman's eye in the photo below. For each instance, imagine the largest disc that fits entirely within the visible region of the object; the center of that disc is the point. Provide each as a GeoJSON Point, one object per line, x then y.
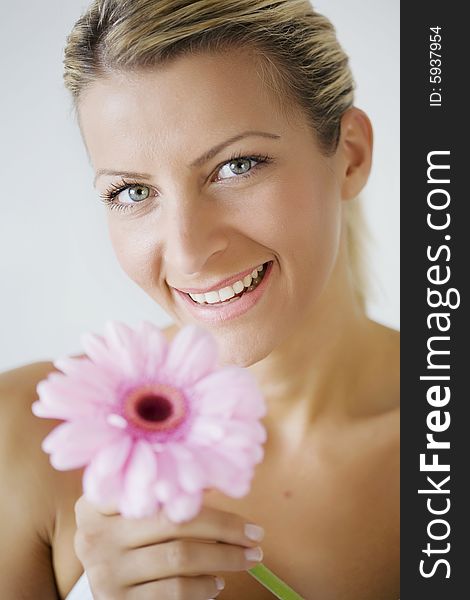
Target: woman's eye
{"type": "Point", "coordinates": [238, 166]}
{"type": "Point", "coordinates": [136, 193]}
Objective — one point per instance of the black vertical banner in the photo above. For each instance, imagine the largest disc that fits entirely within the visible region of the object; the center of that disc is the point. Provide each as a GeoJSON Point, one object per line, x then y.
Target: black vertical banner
{"type": "Point", "coordinates": [435, 312]}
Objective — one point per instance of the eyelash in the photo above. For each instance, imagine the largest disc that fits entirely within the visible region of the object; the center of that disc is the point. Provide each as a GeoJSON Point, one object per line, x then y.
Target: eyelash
{"type": "Point", "coordinates": [109, 195]}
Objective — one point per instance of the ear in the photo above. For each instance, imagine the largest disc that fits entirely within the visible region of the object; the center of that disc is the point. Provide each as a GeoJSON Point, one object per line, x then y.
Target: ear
{"type": "Point", "coordinates": [354, 152]}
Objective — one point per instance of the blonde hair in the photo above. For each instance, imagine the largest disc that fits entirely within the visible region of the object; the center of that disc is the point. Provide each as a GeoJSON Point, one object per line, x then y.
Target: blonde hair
{"type": "Point", "coordinates": [294, 47]}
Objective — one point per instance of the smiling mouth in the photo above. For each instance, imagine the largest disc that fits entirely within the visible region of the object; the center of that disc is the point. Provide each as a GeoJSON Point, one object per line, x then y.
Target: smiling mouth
{"type": "Point", "coordinates": [252, 286]}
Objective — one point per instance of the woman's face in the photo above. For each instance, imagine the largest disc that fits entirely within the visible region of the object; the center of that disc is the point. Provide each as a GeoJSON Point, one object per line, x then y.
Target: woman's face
{"type": "Point", "coordinates": [188, 223]}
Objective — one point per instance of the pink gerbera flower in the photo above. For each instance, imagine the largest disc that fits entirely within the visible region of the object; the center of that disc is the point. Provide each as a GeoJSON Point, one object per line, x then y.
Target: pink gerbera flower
{"type": "Point", "coordinates": [154, 423]}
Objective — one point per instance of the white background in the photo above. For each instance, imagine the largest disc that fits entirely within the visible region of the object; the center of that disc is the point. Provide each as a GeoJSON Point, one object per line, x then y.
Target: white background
{"type": "Point", "coordinates": [59, 276]}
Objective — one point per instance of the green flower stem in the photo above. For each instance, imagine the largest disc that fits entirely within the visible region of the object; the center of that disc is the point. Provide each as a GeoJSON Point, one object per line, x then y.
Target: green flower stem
{"type": "Point", "coordinates": [275, 585]}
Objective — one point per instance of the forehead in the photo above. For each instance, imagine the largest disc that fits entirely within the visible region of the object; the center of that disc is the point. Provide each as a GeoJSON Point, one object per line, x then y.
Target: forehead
{"type": "Point", "coordinates": [192, 100]}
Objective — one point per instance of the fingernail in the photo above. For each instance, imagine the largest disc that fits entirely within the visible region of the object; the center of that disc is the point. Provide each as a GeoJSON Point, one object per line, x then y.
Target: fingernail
{"type": "Point", "coordinates": [254, 553]}
{"type": "Point", "coordinates": [220, 583]}
{"type": "Point", "coordinates": [254, 532]}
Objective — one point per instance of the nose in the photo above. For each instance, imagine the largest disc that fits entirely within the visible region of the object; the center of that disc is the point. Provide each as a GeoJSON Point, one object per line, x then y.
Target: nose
{"type": "Point", "coordinates": [193, 235]}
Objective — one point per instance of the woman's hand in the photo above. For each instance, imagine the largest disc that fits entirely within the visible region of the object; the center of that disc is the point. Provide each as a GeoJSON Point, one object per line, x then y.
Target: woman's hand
{"type": "Point", "coordinates": [149, 558]}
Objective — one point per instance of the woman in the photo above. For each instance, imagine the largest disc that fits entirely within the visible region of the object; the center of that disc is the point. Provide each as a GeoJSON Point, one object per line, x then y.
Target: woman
{"type": "Point", "coordinates": [225, 144]}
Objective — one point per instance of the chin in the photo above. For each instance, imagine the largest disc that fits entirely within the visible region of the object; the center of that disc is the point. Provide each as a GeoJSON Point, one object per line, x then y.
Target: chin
{"type": "Point", "coordinates": [244, 352]}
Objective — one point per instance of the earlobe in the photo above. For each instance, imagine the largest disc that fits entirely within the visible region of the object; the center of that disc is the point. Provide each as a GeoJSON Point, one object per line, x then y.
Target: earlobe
{"type": "Point", "coordinates": [355, 148]}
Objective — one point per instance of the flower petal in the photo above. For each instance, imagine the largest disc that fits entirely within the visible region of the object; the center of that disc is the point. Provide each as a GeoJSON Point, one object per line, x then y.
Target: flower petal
{"type": "Point", "coordinates": [223, 474]}
{"type": "Point", "coordinates": [156, 349]}
{"type": "Point", "coordinates": [230, 390]}
{"type": "Point", "coordinates": [166, 486]}
{"type": "Point", "coordinates": [124, 344]}
{"type": "Point", "coordinates": [205, 431]}
{"type": "Point", "coordinates": [191, 476]}
{"type": "Point", "coordinates": [96, 348]}
{"type": "Point", "coordinates": [61, 398]}
{"type": "Point", "coordinates": [184, 507]}
{"type": "Point", "coordinates": [192, 354]}
{"type": "Point", "coordinates": [73, 444]}
{"type": "Point", "coordinates": [103, 478]}
{"type": "Point", "coordinates": [245, 433]}
{"type": "Point", "coordinates": [85, 372]}
{"type": "Point", "coordinates": [141, 472]}
{"type": "Point", "coordinates": [242, 458]}
{"type": "Point", "coordinates": [257, 454]}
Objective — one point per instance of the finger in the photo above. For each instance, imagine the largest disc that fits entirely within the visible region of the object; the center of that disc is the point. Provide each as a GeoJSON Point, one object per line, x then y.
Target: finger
{"type": "Point", "coordinates": [190, 588]}
{"type": "Point", "coordinates": [210, 524]}
{"type": "Point", "coordinates": [181, 558]}
{"type": "Point", "coordinates": [87, 513]}
{"type": "Point", "coordinates": [108, 510]}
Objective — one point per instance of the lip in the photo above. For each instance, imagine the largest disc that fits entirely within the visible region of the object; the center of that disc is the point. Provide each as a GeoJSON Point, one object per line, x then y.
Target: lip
{"type": "Point", "coordinates": [214, 314]}
{"type": "Point", "coordinates": [220, 284]}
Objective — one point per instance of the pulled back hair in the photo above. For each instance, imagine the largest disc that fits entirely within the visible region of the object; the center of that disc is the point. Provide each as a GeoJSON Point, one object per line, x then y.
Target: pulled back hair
{"type": "Point", "coordinates": [294, 49]}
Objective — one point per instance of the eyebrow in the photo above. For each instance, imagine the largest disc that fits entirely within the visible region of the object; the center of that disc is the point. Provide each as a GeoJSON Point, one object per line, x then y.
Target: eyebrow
{"type": "Point", "coordinates": [196, 163]}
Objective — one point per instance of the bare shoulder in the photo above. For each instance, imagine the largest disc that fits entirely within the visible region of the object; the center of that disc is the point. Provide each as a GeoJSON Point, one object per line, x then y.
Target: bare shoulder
{"type": "Point", "coordinates": [27, 500]}
{"type": "Point", "coordinates": [24, 377]}
{"type": "Point", "coordinates": [21, 432]}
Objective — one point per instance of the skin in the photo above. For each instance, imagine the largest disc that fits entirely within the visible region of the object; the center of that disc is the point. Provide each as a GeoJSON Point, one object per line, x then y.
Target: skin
{"type": "Point", "coordinates": [329, 374]}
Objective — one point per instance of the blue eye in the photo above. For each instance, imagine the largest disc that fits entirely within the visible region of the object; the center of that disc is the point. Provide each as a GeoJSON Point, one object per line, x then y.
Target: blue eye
{"type": "Point", "coordinates": [240, 166]}
{"type": "Point", "coordinates": [137, 192]}
{"type": "Point", "coordinates": [139, 195]}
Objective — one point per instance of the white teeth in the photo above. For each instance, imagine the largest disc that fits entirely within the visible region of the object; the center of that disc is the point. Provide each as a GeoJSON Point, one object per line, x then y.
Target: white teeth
{"type": "Point", "coordinates": [227, 292]}
{"type": "Point", "coordinates": [212, 297]}
{"type": "Point", "coordinates": [198, 297]}
{"type": "Point", "coordinates": [238, 287]}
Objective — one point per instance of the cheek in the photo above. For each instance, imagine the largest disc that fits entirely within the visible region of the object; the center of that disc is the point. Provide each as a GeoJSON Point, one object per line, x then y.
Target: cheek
{"type": "Point", "coordinates": [302, 222]}
{"type": "Point", "coordinates": [319, 228]}
{"type": "Point", "coordinates": [320, 235]}
{"type": "Point", "coordinates": [307, 242]}
{"type": "Point", "coordinates": [135, 251]}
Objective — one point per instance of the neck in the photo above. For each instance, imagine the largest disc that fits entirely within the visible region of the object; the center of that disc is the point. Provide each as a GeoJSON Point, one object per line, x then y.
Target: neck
{"type": "Point", "coordinates": [316, 370]}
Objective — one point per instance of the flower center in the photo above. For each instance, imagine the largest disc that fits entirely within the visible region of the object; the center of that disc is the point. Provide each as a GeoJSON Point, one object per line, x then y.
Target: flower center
{"type": "Point", "coordinates": [155, 407]}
